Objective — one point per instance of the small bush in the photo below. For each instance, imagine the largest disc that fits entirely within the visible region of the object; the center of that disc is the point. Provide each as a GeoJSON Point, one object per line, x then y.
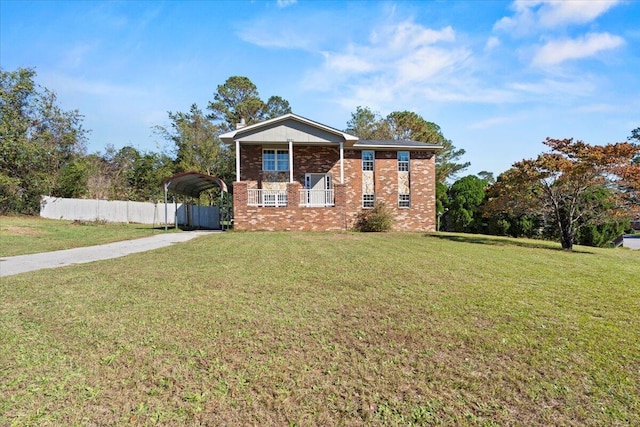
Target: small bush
{"type": "Point", "coordinates": [377, 219]}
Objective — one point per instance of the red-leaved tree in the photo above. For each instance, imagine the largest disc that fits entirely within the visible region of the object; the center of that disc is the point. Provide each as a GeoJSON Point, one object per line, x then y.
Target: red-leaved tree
{"type": "Point", "coordinates": [574, 183]}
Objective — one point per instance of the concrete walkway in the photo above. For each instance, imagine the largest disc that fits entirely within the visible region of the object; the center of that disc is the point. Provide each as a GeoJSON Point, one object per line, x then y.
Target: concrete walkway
{"type": "Point", "coordinates": [24, 263]}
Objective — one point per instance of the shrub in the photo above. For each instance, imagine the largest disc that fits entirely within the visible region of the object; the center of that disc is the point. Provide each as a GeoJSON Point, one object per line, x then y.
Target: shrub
{"type": "Point", "coordinates": [377, 219]}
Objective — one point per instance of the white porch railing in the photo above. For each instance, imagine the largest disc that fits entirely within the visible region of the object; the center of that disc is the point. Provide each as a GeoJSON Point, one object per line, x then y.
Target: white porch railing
{"type": "Point", "coordinates": [260, 197]}
{"type": "Point", "coordinates": [316, 198]}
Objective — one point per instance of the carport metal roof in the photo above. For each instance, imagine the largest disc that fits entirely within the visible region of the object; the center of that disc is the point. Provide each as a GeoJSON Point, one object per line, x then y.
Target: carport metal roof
{"type": "Point", "coordinates": [192, 183]}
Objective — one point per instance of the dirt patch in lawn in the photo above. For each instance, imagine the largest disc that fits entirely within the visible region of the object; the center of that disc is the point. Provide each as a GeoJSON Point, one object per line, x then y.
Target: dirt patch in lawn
{"type": "Point", "coordinates": [329, 236]}
{"type": "Point", "coordinates": [22, 231]}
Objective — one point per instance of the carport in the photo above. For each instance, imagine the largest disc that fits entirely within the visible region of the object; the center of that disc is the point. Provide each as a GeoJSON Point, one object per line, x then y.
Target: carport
{"type": "Point", "coordinates": [192, 184]}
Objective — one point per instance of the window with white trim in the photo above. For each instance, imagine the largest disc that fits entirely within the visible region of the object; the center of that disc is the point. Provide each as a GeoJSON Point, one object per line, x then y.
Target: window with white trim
{"type": "Point", "coordinates": [275, 160]}
{"type": "Point", "coordinates": [368, 200]}
{"type": "Point", "coordinates": [367, 160]}
{"type": "Point", "coordinates": [404, 201]}
{"type": "Point", "coordinates": [403, 161]}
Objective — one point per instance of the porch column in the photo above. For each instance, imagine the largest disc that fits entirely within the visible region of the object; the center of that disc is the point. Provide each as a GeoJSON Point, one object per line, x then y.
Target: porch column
{"type": "Point", "coordinates": [342, 163]}
{"type": "Point", "coordinates": [290, 141]}
{"type": "Point", "coordinates": [237, 161]}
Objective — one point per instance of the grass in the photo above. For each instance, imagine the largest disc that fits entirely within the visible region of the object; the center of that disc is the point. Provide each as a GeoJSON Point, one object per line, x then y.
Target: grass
{"type": "Point", "coordinates": [20, 235]}
{"type": "Point", "coordinates": [327, 329]}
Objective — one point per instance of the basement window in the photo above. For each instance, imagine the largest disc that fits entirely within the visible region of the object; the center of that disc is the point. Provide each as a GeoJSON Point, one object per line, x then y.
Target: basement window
{"type": "Point", "coordinates": [368, 200]}
{"type": "Point", "coordinates": [404, 201]}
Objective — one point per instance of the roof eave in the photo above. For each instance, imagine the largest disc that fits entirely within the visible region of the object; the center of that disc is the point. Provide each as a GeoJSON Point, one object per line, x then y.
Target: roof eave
{"type": "Point", "coordinates": [231, 136]}
{"type": "Point", "coordinates": [399, 147]}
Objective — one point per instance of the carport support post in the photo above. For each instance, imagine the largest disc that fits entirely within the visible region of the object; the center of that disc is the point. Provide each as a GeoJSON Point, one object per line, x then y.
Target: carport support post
{"type": "Point", "coordinates": [166, 214]}
{"type": "Point", "coordinates": [175, 212]}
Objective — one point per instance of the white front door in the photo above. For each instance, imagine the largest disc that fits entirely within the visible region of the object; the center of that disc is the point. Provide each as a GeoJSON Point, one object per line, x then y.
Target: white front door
{"type": "Point", "coordinates": [318, 186]}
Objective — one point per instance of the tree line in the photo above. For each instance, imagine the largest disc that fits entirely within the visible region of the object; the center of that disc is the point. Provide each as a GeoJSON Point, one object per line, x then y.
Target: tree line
{"type": "Point", "coordinates": [43, 147]}
{"type": "Point", "coordinates": [574, 193]}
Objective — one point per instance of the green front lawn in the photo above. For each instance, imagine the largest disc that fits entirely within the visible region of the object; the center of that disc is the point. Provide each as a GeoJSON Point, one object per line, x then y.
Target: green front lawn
{"type": "Point", "coordinates": [21, 235]}
{"type": "Point", "coordinates": [327, 329]}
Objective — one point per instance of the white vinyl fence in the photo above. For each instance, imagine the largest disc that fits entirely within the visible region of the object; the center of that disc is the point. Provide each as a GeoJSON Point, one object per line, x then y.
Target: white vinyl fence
{"type": "Point", "coordinates": [126, 211]}
{"type": "Point", "coordinates": [631, 241]}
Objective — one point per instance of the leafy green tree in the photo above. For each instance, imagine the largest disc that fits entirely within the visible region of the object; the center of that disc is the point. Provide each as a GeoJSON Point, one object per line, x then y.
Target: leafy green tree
{"type": "Point", "coordinates": [407, 125]}
{"type": "Point", "coordinates": [198, 147]}
{"type": "Point", "coordinates": [196, 143]}
{"type": "Point", "coordinates": [72, 179]}
{"type": "Point", "coordinates": [276, 107]}
{"type": "Point", "coordinates": [139, 175]}
{"type": "Point", "coordinates": [466, 196]}
{"type": "Point", "coordinates": [146, 174]}
{"type": "Point", "coordinates": [365, 124]}
{"type": "Point", "coordinates": [442, 203]}
{"type": "Point", "coordinates": [503, 224]}
{"type": "Point", "coordinates": [601, 235]}
{"type": "Point", "coordinates": [447, 165]}
{"type": "Point", "coordinates": [238, 99]}
{"type": "Point", "coordinates": [127, 174]}
{"type": "Point", "coordinates": [487, 176]}
{"type": "Point", "coordinates": [38, 141]}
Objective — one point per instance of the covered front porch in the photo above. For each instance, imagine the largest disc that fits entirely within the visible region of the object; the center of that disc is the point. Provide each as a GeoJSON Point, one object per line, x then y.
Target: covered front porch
{"type": "Point", "coordinates": [269, 167]}
{"type": "Point", "coordinates": [289, 149]}
{"type": "Point", "coordinates": [293, 208]}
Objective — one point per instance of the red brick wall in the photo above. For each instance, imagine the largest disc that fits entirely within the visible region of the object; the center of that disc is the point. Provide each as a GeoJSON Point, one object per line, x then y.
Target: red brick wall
{"type": "Point", "coordinates": [348, 198]}
{"type": "Point", "coordinates": [422, 174]}
{"type": "Point", "coordinates": [290, 218]}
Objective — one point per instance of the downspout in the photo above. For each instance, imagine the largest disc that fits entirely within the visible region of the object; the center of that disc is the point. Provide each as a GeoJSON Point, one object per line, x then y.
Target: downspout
{"type": "Point", "coordinates": [341, 162]}
{"type": "Point", "coordinates": [166, 188]}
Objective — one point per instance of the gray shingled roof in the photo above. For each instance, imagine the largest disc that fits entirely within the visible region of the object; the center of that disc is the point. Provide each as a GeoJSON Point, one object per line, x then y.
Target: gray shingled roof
{"type": "Point", "coordinates": [374, 143]}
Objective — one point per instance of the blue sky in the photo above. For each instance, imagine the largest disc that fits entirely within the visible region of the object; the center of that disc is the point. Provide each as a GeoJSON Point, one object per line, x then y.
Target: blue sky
{"type": "Point", "coordinates": [497, 77]}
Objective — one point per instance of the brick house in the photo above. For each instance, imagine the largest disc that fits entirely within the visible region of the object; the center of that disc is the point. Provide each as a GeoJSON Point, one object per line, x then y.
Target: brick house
{"type": "Point", "coordinates": [296, 174]}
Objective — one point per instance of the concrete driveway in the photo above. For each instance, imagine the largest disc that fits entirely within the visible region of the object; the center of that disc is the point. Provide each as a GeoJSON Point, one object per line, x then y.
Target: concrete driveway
{"type": "Point", "coordinates": [24, 263]}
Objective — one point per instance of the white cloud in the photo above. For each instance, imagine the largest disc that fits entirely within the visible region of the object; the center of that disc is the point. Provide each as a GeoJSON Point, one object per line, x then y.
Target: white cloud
{"type": "Point", "coordinates": [558, 51]}
{"type": "Point", "coordinates": [492, 43]}
{"type": "Point", "coordinates": [348, 63]}
{"type": "Point", "coordinates": [600, 108]}
{"type": "Point", "coordinates": [280, 37]}
{"type": "Point", "coordinates": [560, 13]}
{"type": "Point", "coordinates": [410, 35]}
{"type": "Point", "coordinates": [532, 16]}
{"type": "Point", "coordinates": [428, 63]}
{"type": "Point", "coordinates": [91, 88]}
{"type": "Point", "coordinates": [285, 3]}
{"type": "Point", "coordinates": [490, 123]}
{"type": "Point", "coordinates": [398, 62]}
{"type": "Point", "coordinates": [76, 55]}
{"type": "Point", "coordinates": [554, 88]}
